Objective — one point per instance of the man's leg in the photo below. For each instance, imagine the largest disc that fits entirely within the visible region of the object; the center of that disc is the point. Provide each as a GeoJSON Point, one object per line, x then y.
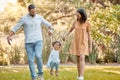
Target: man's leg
{"type": "Point", "coordinates": [30, 54]}
{"type": "Point", "coordinates": [38, 54]}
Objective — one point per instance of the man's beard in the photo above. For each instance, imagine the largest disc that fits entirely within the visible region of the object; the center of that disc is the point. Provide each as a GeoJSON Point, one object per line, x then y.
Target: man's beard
{"type": "Point", "coordinates": [32, 15]}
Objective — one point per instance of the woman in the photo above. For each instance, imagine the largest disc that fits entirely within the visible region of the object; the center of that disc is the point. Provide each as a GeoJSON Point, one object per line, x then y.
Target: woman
{"type": "Point", "coordinates": [81, 40]}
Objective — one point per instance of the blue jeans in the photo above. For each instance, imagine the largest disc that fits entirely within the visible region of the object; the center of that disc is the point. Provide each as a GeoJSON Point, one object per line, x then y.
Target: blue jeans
{"type": "Point", "coordinates": [34, 50]}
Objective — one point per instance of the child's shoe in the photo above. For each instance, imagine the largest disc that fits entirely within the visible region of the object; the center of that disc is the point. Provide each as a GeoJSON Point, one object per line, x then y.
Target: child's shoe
{"type": "Point", "coordinates": [56, 73]}
{"type": "Point", "coordinates": [51, 72]}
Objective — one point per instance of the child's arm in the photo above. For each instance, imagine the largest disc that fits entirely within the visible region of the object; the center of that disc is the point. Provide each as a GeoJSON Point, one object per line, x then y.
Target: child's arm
{"type": "Point", "coordinates": [51, 46]}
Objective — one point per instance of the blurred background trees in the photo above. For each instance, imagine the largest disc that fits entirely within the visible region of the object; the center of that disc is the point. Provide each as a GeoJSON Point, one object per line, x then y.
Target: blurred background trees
{"type": "Point", "coordinates": [104, 16]}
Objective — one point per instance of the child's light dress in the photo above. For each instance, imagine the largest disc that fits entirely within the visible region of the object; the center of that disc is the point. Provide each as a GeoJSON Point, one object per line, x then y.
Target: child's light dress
{"type": "Point", "coordinates": [53, 60]}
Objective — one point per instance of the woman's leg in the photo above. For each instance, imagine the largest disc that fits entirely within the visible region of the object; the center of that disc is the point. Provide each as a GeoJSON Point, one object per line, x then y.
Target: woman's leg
{"type": "Point", "coordinates": [81, 65]}
{"type": "Point", "coordinates": [78, 65]}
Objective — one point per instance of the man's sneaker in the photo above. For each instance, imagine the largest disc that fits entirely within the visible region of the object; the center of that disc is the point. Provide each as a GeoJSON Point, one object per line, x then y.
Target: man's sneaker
{"type": "Point", "coordinates": [40, 78]}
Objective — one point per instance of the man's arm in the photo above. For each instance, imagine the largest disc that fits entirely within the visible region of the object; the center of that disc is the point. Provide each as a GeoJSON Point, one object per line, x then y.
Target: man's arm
{"type": "Point", "coordinates": [9, 37]}
{"type": "Point", "coordinates": [47, 24]}
{"type": "Point", "coordinates": [14, 30]}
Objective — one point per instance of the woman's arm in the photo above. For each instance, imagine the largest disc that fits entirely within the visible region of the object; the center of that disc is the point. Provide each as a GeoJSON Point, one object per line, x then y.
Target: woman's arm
{"type": "Point", "coordinates": [89, 37]}
{"type": "Point", "coordinates": [90, 41]}
{"type": "Point", "coordinates": [67, 33]}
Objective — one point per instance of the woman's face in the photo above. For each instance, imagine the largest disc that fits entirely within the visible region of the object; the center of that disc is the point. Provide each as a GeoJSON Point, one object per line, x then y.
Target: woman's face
{"type": "Point", "coordinates": [78, 15]}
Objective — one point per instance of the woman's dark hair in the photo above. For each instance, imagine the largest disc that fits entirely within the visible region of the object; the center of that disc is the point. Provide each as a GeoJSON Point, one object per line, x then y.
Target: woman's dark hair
{"type": "Point", "coordinates": [56, 42]}
{"type": "Point", "coordinates": [31, 6]}
{"type": "Point", "coordinates": [83, 15]}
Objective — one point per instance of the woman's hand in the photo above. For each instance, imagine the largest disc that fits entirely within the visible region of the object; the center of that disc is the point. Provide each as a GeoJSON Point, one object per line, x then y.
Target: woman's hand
{"type": "Point", "coordinates": [90, 50]}
{"type": "Point", "coordinates": [63, 37]}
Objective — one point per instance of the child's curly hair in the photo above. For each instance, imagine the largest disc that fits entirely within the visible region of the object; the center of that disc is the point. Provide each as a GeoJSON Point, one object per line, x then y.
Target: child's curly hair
{"type": "Point", "coordinates": [56, 42]}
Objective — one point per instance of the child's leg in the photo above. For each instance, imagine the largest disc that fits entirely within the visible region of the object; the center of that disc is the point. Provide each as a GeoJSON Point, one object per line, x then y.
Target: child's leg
{"type": "Point", "coordinates": [51, 70]}
{"type": "Point", "coordinates": [81, 65]}
{"type": "Point", "coordinates": [56, 68]}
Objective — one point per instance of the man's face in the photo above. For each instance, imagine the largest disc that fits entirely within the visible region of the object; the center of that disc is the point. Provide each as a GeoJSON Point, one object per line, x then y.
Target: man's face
{"type": "Point", "coordinates": [32, 12]}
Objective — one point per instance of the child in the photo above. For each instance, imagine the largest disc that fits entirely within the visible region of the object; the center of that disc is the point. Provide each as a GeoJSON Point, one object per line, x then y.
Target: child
{"type": "Point", "coordinates": [81, 40]}
{"type": "Point", "coordinates": [53, 61]}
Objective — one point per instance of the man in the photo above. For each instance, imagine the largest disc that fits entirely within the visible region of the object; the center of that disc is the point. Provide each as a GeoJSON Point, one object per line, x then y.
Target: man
{"type": "Point", "coordinates": [33, 39]}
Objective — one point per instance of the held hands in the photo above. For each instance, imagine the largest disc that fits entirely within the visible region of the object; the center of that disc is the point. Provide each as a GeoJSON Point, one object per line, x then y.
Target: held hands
{"type": "Point", "coordinates": [50, 32]}
{"type": "Point", "coordinates": [9, 39]}
{"type": "Point", "coordinates": [64, 36]}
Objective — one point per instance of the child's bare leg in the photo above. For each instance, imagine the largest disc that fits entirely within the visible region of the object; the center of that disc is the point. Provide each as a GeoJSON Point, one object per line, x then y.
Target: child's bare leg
{"type": "Point", "coordinates": [51, 71]}
{"type": "Point", "coordinates": [56, 67]}
{"type": "Point", "coordinates": [56, 72]}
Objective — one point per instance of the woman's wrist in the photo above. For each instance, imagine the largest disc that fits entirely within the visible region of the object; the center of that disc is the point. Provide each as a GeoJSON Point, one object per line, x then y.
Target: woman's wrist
{"type": "Point", "coordinates": [66, 34]}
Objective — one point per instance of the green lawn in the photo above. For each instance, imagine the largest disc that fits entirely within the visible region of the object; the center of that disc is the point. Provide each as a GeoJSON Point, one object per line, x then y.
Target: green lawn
{"type": "Point", "coordinates": [65, 73]}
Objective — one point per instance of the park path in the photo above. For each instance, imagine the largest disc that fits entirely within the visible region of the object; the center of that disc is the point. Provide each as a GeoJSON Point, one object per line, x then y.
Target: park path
{"type": "Point", "coordinates": [70, 65]}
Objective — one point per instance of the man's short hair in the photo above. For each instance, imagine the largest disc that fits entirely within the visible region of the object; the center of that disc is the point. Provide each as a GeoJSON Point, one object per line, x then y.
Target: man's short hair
{"type": "Point", "coordinates": [31, 6]}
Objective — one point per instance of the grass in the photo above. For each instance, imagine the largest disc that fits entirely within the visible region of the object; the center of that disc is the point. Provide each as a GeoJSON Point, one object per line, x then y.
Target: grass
{"type": "Point", "coordinates": [65, 73]}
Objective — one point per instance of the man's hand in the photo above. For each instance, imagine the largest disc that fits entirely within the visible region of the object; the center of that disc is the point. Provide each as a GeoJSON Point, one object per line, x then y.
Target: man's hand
{"type": "Point", "coordinates": [50, 32]}
{"type": "Point", "coordinates": [9, 40]}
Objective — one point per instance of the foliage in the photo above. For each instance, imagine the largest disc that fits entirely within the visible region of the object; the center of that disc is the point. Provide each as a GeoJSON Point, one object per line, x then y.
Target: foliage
{"type": "Point", "coordinates": [118, 51]}
{"type": "Point", "coordinates": [105, 28]}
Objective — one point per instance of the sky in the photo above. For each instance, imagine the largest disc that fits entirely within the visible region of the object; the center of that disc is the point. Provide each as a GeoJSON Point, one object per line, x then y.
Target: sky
{"type": "Point", "coordinates": [3, 3]}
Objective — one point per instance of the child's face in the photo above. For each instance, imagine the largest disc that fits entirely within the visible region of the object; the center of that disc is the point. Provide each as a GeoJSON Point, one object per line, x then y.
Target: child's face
{"type": "Point", "coordinates": [56, 46]}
